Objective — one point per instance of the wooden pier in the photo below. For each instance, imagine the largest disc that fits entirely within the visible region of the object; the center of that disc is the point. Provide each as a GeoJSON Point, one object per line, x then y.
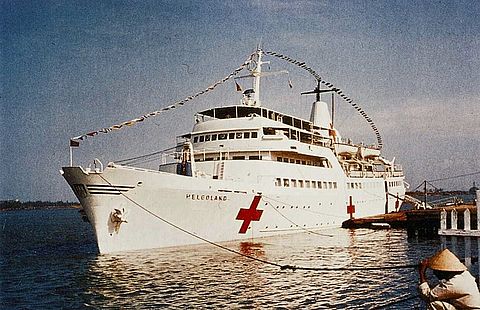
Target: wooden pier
{"type": "Point", "coordinates": [417, 222]}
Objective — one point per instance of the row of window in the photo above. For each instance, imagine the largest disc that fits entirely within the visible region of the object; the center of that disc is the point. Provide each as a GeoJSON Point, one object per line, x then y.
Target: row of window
{"type": "Point", "coordinates": [303, 137]}
{"type": "Point", "coordinates": [318, 162]}
{"type": "Point", "coordinates": [225, 136]}
{"type": "Point", "coordinates": [239, 157]}
{"type": "Point", "coordinates": [305, 183]}
{"type": "Point", "coordinates": [395, 183]}
{"type": "Point", "coordinates": [358, 185]}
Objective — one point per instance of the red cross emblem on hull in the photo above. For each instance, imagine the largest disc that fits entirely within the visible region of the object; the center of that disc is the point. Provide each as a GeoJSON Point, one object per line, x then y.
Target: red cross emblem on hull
{"type": "Point", "coordinates": [351, 208]}
{"type": "Point", "coordinates": [249, 215]}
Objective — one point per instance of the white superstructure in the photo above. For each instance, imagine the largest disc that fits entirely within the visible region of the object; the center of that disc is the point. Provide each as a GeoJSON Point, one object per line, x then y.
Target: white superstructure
{"type": "Point", "coordinates": [245, 171]}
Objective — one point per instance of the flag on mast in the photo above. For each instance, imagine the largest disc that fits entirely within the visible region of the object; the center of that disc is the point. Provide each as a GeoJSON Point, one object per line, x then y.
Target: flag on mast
{"type": "Point", "coordinates": [238, 87]}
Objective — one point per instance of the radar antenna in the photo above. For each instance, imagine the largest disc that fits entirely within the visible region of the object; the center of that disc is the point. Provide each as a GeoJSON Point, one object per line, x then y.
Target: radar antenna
{"type": "Point", "coordinates": [318, 91]}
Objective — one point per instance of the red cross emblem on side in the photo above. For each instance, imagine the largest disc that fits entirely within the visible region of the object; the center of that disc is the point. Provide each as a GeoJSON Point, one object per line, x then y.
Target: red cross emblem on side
{"type": "Point", "coordinates": [351, 208]}
{"type": "Point", "coordinates": [249, 215]}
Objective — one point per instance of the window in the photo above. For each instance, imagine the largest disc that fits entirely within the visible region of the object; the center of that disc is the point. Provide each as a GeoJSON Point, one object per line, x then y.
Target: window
{"type": "Point", "coordinates": [335, 185]}
{"type": "Point", "coordinates": [278, 182]}
{"type": "Point", "coordinates": [231, 135]}
{"type": "Point", "coordinates": [325, 185]}
{"type": "Point", "coordinates": [238, 157]}
{"type": "Point", "coordinates": [286, 182]}
{"type": "Point", "coordinates": [300, 183]}
{"type": "Point", "coordinates": [195, 139]}
{"type": "Point", "coordinates": [214, 137]}
{"type": "Point", "coordinates": [285, 160]}
{"type": "Point", "coordinates": [319, 183]}
{"type": "Point", "coordinates": [294, 183]}
{"type": "Point", "coordinates": [268, 131]}
{"type": "Point", "coordinates": [279, 159]}
{"type": "Point", "coordinates": [292, 161]}
{"type": "Point", "coordinates": [238, 135]}
{"type": "Point", "coordinates": [207, 138]}
{"type": "Point", "coordinates": [307, 184]}
{"type": "Point", "coordinates": [246, 135]}
{"type": "Point", "coordinates": [222, 136]}
{"type": "Point", "coordinates": [314, 184]}
{"type": "Point", "coordinates": [201, 139]}
{"type": "Point", "coordinates": [254, 135]}
{"type": "Point", "coordinates": [330, 185]}
{"type": "Point", "coordinates": [255, 157]}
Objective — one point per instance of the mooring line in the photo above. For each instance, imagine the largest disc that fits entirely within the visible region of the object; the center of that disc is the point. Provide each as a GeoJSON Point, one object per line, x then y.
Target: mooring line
{"type": "Point", "coordinates": [282, 267]}
{"type": "Point", "coordinates": [287, 204]}
{"type": "Point", "coordinates": [296, 225]}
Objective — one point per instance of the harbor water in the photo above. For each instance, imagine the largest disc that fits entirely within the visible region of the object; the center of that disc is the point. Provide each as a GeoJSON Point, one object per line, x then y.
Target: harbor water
{"type": "Point", "coordinates": [49, 259]}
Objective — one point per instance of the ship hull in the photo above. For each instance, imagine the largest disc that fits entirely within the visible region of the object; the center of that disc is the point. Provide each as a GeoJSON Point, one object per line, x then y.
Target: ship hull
{"type": "Point", "coordinates": [133, 209]}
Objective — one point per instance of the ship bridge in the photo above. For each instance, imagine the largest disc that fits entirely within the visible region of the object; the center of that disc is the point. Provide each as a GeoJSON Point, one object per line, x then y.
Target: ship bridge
{"type": "Point", "coordinates": [241, 111]}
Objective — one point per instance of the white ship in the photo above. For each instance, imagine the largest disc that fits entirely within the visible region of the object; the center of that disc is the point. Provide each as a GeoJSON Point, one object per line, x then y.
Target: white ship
{"type": "Point", "coordinates": [245, 171]}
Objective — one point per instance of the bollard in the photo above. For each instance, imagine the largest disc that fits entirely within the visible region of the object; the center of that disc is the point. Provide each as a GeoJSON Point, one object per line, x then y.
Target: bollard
{"type": "Point", "coordinates": [443, 220]}
{"type": "Point", "coordinates": [454, 217]}
{"type": "Point", "coordinates": [478, 209]}
{"type": "Point", "coordinates": [466, 220]}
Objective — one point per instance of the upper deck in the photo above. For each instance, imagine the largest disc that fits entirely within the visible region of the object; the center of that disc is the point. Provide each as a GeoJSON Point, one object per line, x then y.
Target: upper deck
{"type": "Point", "coordinates": [240, 111]}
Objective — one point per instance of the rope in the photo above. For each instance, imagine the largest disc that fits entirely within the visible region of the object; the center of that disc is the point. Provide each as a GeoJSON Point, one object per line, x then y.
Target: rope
{"type": "Point", "coordinates": [457, 176]}
{"type": "Point", "coordinates": [190, 233]}
{"type": "Point", "coordinates": [287, 204]}
{"type": "Point", "coordinates": [282, 267]}
{"type": "Point", "coordinates": [75, 141]}
{"type": "Point", "coordinates": [337, 90]}
{"type": "Point", "coordinates": [132, 160]}
{"type": "Point", "coordinates": [447, 178]}
{"type": "Point", "coordinates": [296, 225]}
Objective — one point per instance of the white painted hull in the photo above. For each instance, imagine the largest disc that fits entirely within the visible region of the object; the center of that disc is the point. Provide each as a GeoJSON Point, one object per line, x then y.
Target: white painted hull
{"type": "Point", "coordinates": [163, 209]}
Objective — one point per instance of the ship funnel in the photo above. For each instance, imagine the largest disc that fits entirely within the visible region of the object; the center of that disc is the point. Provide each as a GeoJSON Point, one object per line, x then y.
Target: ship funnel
{"type": "Point", "coordinates": [320, 116]}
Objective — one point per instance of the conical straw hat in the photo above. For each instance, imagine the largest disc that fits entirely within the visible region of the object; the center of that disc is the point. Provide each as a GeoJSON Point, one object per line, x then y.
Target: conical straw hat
{"type": "Point", "coordinates": [445, 261]}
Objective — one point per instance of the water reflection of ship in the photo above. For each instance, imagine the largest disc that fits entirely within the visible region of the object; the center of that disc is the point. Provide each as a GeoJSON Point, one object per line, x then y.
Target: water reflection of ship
{"type": "Point", "coordinates": [253, 249]}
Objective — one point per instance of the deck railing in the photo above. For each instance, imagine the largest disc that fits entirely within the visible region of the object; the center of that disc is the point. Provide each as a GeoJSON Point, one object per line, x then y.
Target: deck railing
{"type": "Point", "coordinates": [466, 233]}
{"type": "Point", "coordinates": [454, 222]}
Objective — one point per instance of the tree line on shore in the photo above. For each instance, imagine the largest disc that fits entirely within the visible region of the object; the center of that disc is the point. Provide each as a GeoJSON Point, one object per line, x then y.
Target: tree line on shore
{"type": "Point", "coordinates": [30, 205]}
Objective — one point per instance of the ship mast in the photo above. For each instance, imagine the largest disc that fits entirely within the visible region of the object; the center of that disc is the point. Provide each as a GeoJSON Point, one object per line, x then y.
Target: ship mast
{"type": "Point", "coordinates": [257, 73]}
{"type": "Point", "coordinates": [251, 96]}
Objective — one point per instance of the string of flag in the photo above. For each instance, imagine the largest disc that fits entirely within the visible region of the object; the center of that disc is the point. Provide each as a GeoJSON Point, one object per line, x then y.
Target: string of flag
{"type": "Point", "coordinates": [75, 142]}
{"type": "Point", "coordinates": [337, 90]}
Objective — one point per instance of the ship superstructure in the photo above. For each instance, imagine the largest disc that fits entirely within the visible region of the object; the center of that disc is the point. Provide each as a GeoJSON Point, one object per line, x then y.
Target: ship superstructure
{"type": "Point", "coordinates": [244, 171]}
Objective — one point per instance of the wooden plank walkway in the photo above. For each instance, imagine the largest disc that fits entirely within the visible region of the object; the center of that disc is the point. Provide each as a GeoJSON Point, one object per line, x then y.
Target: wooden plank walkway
{"type": "Point", "coordinates": [420, 222]}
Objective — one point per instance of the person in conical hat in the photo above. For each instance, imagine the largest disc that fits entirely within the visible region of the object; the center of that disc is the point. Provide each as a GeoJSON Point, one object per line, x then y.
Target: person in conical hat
{"type": "Point", "coordinates": [456, 289]}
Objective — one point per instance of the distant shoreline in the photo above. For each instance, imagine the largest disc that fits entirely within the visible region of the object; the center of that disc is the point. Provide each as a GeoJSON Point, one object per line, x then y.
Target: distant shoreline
{"type": "Point", "coordinates": [41, 208]}
{"type": "Point", "coordinates": [12, 205]}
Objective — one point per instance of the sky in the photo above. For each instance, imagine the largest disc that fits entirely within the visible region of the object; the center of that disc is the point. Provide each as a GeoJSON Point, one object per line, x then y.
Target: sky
{"type": "Point", "coordinates": [70, 67]}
